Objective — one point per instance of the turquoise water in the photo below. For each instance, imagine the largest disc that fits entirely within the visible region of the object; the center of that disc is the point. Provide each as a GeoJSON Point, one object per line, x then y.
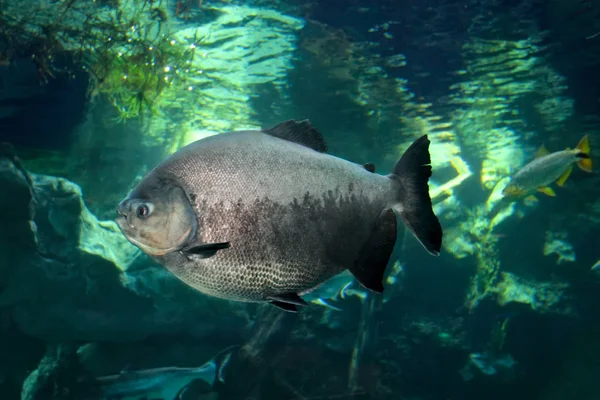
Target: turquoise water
{"type": "Point", "coordinates": [94, 94]}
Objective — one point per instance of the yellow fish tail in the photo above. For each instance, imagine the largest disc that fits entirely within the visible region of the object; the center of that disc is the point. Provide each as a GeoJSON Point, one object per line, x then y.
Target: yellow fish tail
{"type": "Point", "coordinates": [584, 162]}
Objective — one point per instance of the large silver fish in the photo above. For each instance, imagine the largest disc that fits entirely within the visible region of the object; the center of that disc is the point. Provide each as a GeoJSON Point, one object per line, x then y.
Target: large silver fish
{"type": "Point", "coordinates": [549, 167]}
{"type": "Point", "coordinates": [266, 216]}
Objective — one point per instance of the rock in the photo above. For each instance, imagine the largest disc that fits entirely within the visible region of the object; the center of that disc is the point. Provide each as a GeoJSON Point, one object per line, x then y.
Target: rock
{"type": "Point", "coordinates": [20, 355]}
{"type": "Point", "coordinates": [556, 243]}
{"type": "Point", "coordinates": [55, 377]}
{"type": "Point", "coordinates": [542, 297]}
{"type": "Point", "coordinates": [66, 276]}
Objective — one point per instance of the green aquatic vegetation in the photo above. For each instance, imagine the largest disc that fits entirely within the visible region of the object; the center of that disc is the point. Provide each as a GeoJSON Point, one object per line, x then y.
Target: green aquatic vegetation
{"type": "Point", "coordinates": [40, 45]}
{"type": "Point", "coordinates": [483, 243]}
{"type": "Point", "coordinates": [134, 81]}
{"type": "Point", "coordinates": [125, 47]}
{"type": "Point", "coordinates": [139, 61]}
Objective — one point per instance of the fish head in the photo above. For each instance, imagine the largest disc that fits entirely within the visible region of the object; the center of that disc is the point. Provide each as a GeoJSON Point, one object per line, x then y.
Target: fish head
{"type": "Point", "coordinates": [513, 190]}
{"type": "Point", "coordinates": [157, 217]}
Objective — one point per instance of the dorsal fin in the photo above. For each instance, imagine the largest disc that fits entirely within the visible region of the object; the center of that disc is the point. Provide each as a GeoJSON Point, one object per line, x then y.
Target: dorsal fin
{"type": "Point", "coordinates": [301, 132]}
{"type": "Point", "coordinates": [369, 167]}
{"type": "Point", "coordinates": [542, 151]}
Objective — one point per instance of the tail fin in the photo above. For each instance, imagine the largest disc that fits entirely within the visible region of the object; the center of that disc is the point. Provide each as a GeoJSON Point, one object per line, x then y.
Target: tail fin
{"type": "Point", "coordinates": [412, 174]}
{"type": "Point", "coordinates": [584, 160]}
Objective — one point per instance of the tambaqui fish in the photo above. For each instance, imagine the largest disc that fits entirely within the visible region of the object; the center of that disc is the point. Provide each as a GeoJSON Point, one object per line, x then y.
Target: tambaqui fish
{"type": "Point", "coordinates": [549, 167]}
{"type": "Point", "coordinates": [267, 215]}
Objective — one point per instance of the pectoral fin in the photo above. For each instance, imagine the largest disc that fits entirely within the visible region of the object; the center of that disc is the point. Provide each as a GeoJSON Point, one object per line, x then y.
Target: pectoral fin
{"type": "Point", "coordinates": [291, 298]}
{"type": "Point", "coordinates": [546, 190]}
{"type": "Point", "coordinates": [287, 301]}
{"type": "Point", "coordinates": [530, 200]}
{"type": "Point", "coordinates": [206, 250]}
{"type": "Point", "coordinates": [563, 178]}
{"type": "Point", "coordinates": [285, 306]}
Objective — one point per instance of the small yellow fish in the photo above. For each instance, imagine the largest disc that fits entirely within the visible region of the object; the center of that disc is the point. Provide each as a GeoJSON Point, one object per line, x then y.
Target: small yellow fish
{"type": "Point", "coordinates": [596, 266]}
{"type": "Point", "coordinates": [549, 167]}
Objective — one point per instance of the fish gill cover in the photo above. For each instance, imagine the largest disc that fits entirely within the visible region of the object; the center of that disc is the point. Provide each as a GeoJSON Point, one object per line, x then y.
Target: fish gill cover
{"type": "Point", "coordinates": [94, 94]}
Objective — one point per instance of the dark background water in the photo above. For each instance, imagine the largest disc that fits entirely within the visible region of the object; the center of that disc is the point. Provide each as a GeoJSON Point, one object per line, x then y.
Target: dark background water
{"type": "Point", "coordinates": [424, 335]}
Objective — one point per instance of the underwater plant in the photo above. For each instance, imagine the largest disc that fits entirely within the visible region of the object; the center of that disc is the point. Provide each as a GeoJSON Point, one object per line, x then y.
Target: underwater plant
{"type": "Point", "coordinates": [125, 47]}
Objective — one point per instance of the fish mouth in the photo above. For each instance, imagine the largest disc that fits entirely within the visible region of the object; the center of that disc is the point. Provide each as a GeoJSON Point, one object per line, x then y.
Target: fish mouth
{"type": "Point", "coordinates": [128, 231]}
{"type": "Point", "coordinates": [121, 222]}
{"type": "Point", "coordinates": [151, 251]}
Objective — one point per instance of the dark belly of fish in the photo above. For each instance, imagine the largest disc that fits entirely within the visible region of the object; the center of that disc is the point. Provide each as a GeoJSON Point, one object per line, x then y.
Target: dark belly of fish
{"type": "Point", "coordinates": [278, 248]}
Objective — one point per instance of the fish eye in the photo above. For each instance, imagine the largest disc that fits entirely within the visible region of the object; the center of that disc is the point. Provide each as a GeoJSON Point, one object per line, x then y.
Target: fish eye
{"type": "Point", "coordinates": [142, 211]}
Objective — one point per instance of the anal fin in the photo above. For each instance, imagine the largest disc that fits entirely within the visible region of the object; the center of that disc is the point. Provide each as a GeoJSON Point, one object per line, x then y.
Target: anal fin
{"type": "Point", "coordinates": [563, 178]}
{"type": "Point", "coordinates": [548, 191]}
{"type": "Point", "coordinates": [375, 254]}
{"type": "Point", "coordinates": [287, 301]}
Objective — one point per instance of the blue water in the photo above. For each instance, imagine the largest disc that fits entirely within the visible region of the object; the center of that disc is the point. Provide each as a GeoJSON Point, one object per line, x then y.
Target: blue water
{"type": "Point", "coordinates": [94, 94]}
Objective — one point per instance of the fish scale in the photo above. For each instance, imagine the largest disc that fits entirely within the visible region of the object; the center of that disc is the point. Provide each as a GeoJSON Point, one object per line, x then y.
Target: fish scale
{"type": "Point", "coordinates": [258, 197]}
{"type": "Point", "coordinates": [274, 216]}
{"type": "Point", "coordinates": [547, 168]}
